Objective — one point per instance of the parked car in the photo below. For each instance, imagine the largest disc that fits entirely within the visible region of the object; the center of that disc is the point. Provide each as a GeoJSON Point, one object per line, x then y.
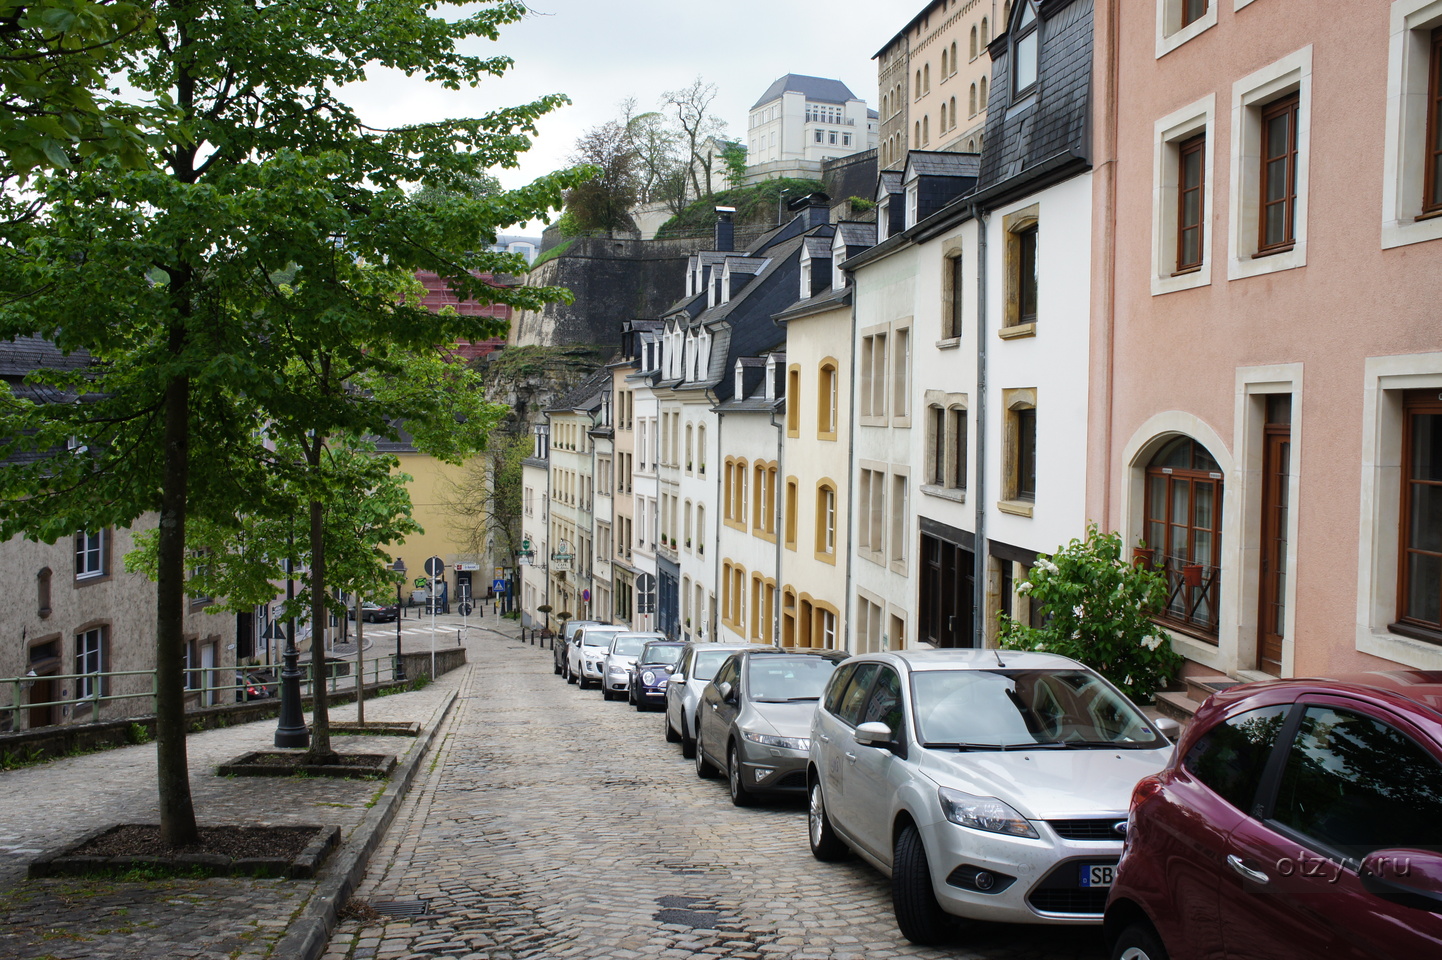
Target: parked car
{"type": "Point", "coordinates": [754, 719]}
{"type": "Point", "coordinates": [375, 612]}
{"type": "Point", "coordinates": [1298, 818]}
{"type": "Point", "coordinates": [587, 651]}
{"type": "Point", "coordinates": [254, 685]}
{"type": "Point", "coordinates": [621, 659]}
{"type": "Point", "coordinates": [700, 659]}
{"type": "Point", "coordinates": [560, 646]}
{"type": "Point", "coordinates": [653, 668]}
{"type": "Point", "coordinates": [989, 785]}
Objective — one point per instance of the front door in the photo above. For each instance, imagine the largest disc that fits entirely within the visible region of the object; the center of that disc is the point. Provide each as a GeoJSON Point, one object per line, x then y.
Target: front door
{"type": "Point", "coordinates": [1276, 464]}
{"type": "Point", "coordinates": [946, 593]}
{"type": "Point", "coordinates": [207, 674]}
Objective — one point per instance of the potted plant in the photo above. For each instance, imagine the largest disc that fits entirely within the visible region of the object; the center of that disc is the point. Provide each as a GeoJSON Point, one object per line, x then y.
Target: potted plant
{"type": "Point", "coordinates": [688, 543]}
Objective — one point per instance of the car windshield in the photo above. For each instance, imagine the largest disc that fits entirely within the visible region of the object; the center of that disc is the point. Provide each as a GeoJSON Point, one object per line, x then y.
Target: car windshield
{"type": "Point", "coordinates": [597, 638]}
{"type": "Point", "coordinates": [666, 655]}
{"type": "Point", "coordinates": [1025, 709]}
{"type": "Point", "coordinates": [624, 646]}
{"type": "Point", "coordinates": [779, 679]}
{"type": "Point", "coordinates": [708, 662]}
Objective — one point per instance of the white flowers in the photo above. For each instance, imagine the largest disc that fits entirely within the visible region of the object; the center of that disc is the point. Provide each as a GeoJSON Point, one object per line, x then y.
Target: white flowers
{"type": "Point", "coordinates": [1078, 611]}
{"type": "Point", "coordinates": [1046, 565]}
{"type": "Point", "coordinates": [1151, 643]}
{"type": "Point", "coordinates": [1024, 587]}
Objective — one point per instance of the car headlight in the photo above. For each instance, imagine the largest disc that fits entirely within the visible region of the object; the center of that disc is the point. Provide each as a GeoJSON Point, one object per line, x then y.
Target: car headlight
{"type": "Point", "coordinates": [648, 677]}
{"type": "Point", "coordinates": [983, 813]}
{"type": "Point", "coordinates": [617, 670]}
{"type": "Point", "coordinates": [786, 743]}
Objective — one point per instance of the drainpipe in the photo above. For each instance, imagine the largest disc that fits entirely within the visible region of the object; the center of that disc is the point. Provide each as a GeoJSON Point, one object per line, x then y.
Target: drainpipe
{"type": "Point", "coordinates": [779, 520]}
{"type": "Point", "coordinates": [979, 556]}
{"type": "Point", "coordinates": [719, 519]}
{"type": "Point", "coordinates": [851, 481]}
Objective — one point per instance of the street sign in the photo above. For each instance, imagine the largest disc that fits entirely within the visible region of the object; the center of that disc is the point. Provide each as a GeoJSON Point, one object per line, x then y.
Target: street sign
{"type": "Point", "coordinates": [435, 566]}
{"type": "Point", "coordinates": [464, 565]}
{"type": "Point", "coordinates": [586, 595]}
{"type": "Point", "coordinates": [645, 593]}
{"type": "Point", "coordinates": [421, 581]}
{"type": "Point", "coordinates": [465, 609]}
{"type": "Point", "coordinates": [499, 586]}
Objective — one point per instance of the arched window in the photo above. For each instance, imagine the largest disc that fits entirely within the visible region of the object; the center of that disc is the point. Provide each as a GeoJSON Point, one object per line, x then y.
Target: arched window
{"type": "Point", "coordinates": [971, 103]}
{"type": "Point", "coordinates": [953, 56]}
{"type": "Point", "coordinates": [916, 135]}
{"type": "Point", "coordinates": [973, 43]}
{"type": "Point", "coordinates": [791, 507]}
{"type": "Point", "coordinates": [917, 93]}
{"type": "Point", "coordinates": [926, 79]}
{"type": "Point", "coordinates": [758, 499]}
{"type": "Point", "coordinates": [1183, 532]}
{"type": "Point", "coordinates": [826, 401]}
{"type": "Point", "coordinates": [826, 519]}
{"type": "Point", "coordinates": [701, 448]}
{"type": "Point", "coordinates": [926, 130]}
{"type": "Point", "coordinates": [953, 113]}
{"type": "Point", "coordinates": [943, 63]}
{"type": "Point", "coordinates": [943, 117]}
{"type": "Point", "coordinates": [985, 34]}
{"type": "Point", "coordinates": [982, 105]}
{"type": "Point", "coordinates": [971, 145]}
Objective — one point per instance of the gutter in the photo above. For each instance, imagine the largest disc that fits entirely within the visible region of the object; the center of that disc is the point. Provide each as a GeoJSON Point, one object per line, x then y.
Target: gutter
{"type": "Point", "coordinates": [980, 556]}
{"type": "Point", "coordinates": [780, 521]}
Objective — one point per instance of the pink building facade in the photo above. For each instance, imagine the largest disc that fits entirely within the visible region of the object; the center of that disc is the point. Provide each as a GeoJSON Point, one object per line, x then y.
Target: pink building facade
{"type": "Point", "coordinates": [1267, 331]}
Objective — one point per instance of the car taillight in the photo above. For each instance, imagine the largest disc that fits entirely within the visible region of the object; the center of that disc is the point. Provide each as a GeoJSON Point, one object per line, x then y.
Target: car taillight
{"type": "Point", "coordinates": [1146, 788]}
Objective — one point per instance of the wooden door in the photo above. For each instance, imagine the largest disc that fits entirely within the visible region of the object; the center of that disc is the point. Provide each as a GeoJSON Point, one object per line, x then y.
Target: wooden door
{"type": "Point", "coordinates": [1272, 613]}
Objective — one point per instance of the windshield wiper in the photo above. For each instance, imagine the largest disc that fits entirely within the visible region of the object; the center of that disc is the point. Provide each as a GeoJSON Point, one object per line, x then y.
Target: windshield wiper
{"type": "Point", "coordinates": [799, 699]}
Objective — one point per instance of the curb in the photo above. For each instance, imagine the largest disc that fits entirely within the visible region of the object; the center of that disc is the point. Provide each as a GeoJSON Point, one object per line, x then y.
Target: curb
{"type": "Point", "coordinates": [308, 935]}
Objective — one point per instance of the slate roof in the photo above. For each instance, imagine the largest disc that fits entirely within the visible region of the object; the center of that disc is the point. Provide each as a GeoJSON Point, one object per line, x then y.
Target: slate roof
{"type": "Point", "coordinates": [1052, 121]}
{"type": "Point", "coordinates": [930, 163]}
{"type": "Point", "coordinates": [586, 395]}
{"type": "Point", "coordinates": [817, 89]}
{"type": "Point", "coordinates": [22, 355]}
{"type": "Point", "coordinates": [857, 234]}
{"type": "Point", "coordinates": [820, 247]}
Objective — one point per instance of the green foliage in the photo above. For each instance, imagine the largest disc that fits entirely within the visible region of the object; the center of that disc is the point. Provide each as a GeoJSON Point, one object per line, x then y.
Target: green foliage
{"type": "Point", "coordinates": [861, 204]}
{"type": "Point", "coordinates": [755, 205]}
{"type": "Point", "coordinates": [556, 251]}
{"type": "Point", "coordinates": [137, 734]}
{"type": "Point", "coordinates": [1098, 609]}
{"type": "Point", "coordinates": [733, 155]}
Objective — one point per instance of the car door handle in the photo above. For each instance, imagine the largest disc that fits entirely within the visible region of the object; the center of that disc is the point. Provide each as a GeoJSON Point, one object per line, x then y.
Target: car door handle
{"type": "Point", "coordinates": [851, 758]}
{"type": "Point", "coordinates": [824, 738]}
{"type": "Point", "coordinates": [1256, 876]}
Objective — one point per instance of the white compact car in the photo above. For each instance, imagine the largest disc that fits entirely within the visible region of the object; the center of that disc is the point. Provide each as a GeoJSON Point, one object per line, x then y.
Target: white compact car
{"type": "Point", "coordinates": [988, 784]}
{"type": "Point", "coordinates": [589, 650]}
{"type": "Point", "coordinates": [620, 660]}
{"type": "Point", "coordinates": [700, 659]}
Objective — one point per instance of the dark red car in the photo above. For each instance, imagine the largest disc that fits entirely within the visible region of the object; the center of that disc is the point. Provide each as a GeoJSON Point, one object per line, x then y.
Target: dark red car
{"type": "Point", "coordinates": [1297, 818]}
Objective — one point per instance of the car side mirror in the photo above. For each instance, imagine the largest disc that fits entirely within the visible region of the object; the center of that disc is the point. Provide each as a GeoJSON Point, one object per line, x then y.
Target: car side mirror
{"type": "Point", "coordinates": [726, 691]}
{"type": "Point", "coordinates": [1168, 728]}
{"type": "Point", "coordinates": [1412, 878]}
{"type": "Point", "coordinates": [677, 678]}
{"type": "Point", "coordinates": [873, 734]}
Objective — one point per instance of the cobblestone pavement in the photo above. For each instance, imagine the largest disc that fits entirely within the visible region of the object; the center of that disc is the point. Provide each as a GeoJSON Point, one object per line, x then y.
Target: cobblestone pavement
{"type": "Point", "coordinates": [49, 806]}
{"type": "Point", "coordinates": [551, 824]}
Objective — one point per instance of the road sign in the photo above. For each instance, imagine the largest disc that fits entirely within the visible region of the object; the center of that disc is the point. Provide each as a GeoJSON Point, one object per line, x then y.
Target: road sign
{"type": "Point", "coordinates": [645, 593]}
{"type": "Point", "coordinates": [586, 595]}
{"type": "Point", "coordinates": [465, 609]}
{"type": "Point", "coordinates": [499, 586]}
{"type": "Point", "coordinates": [464, 565]}
{"type": "Point", "coordinates": [421, 581]}
{"type": "Point", "coordinates": [435, 566]}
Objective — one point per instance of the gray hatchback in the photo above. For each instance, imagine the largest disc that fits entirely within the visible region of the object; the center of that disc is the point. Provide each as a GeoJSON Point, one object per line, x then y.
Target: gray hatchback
{"type": "Point", "coordinates": [754, 719]}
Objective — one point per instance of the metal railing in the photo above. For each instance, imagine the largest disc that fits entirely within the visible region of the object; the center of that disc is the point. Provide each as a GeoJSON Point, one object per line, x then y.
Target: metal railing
{"type": "Point", "coordinates": [208, 693]}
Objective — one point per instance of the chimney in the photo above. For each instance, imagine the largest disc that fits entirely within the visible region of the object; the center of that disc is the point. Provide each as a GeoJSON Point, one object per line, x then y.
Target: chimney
{"type": "Point", "coordinates": [725, 230]}
{"type": "Point", "coordinates": [814, 209]}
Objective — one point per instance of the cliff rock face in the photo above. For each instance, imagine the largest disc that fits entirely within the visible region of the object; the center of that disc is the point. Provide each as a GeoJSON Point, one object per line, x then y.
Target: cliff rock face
{"type": "Point", "coordinates": [613, 280]}
{"type": "Point", "coordinates": [530, 379]}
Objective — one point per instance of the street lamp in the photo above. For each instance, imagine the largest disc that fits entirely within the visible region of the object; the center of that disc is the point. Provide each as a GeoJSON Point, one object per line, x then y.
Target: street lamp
{"type": "Point", "coordinates": [399, 567]}
{"type": "Point", "coordinates": [291, 731]}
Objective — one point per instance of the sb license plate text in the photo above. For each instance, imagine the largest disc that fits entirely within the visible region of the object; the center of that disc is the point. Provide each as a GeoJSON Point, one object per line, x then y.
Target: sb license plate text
{"type": "Point", "coordinates": [1097, 875]}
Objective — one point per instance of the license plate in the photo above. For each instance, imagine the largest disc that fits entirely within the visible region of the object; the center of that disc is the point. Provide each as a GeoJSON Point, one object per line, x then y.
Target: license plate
{"type": "Point", "coordinates": [1097, 875]}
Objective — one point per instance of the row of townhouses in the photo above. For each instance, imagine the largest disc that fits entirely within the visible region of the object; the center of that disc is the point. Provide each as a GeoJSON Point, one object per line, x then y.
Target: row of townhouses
{"type": "Point", "coordinates": [1185, 288]}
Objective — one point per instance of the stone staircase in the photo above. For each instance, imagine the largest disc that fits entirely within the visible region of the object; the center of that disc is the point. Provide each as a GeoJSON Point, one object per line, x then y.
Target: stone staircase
{"type": "Point", "coordinates": [1180, 705]}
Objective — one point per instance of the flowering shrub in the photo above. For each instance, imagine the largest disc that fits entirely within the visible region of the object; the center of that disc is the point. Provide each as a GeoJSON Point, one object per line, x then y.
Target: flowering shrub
{"type": "Point", "coordinates": [1098, 609]}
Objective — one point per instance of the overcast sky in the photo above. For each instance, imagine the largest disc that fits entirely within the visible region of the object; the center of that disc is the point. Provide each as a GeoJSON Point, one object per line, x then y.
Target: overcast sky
{"type": "Point", "coordinates": [600, 52]}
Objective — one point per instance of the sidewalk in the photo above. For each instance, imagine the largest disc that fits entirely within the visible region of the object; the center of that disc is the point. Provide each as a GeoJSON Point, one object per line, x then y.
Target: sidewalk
{"type": "Point", "coordinates": [49, 806]}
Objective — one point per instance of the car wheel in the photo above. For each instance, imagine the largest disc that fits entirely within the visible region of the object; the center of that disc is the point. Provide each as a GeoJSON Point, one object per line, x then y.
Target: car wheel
{"type": "Point", "coordinates": [570, 677]}
{"type": "Point", "coordinates": [606, 694]}
{"type": "Point", "coordinates": [919, 916]}
{"type": "Point", "coordinates": [1139, 942]}
{"type": "Point", "coordinates": [739, 796]}
{"type": "Point", "coordinates": [688, 744]}
{"type": "Point", "coordinates": [671, 735]}
{"type": "Point", "coordinates": [556, 668]}
{"type": "Point", "coordinates": [704, 769]}
{"type": "Point", "coordinates": [825, 844]}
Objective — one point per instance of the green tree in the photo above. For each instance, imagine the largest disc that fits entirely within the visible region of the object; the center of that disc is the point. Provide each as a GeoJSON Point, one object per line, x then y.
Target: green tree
{"type": "Point", "coordinates": [602, 204]}
{"type": "Point", "coordinates": [486, 502]}
{"type": "Point", "coordinates": [733, 155]}
{"type": "Point", "coordinates": [1098, 608]}
{"type": "Point", "coordinates": [253, 279]}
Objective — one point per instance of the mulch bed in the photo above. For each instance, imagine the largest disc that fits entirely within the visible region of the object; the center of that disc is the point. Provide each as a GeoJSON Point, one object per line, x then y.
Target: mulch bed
{"type": "Point", "coordinates": [294, 852]}
{"type": "Point", "coordinates": [344, 765]}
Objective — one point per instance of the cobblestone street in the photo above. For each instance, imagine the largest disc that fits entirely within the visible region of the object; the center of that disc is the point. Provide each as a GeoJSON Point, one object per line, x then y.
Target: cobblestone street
{"type": "Point", "coordinates": [552, 824]}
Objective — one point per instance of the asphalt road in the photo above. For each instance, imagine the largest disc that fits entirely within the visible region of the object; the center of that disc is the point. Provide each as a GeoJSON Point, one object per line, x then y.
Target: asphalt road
{"type": "Point", "coordinates": [551, 824]}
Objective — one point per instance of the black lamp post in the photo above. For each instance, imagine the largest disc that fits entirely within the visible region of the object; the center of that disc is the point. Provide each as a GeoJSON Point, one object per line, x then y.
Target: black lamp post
{"type": "Point", "coordinates": [399, 567]}
{"type": "Point", "coordinates": [292, 731]}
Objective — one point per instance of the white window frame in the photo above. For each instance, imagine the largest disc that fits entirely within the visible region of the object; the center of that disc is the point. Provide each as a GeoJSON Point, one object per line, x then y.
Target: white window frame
{"type": "Point", "coordinates": [87, 544]}
{"type": "Point", "coordinates": [1170, 132]}
{"type": "Point", "coordinates": [1170, 32]}
{"type": "Point", "coordinates": [1249, 96]}
{"type": "Point", "coordinates": [1384, 380]}
{"type": "Point", "coordinates": [89, 681]}
{"type": "Point", "coordinates": [1408, 59]}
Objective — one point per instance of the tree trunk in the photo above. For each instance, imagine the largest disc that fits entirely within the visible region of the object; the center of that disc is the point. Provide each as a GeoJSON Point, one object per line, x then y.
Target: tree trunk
{"type": "Point", "coordinates": [360, 661]}
{"type": "Point", "coordinates": [177, 814]}
{"type": "Point", "coordinates": [320, 749]}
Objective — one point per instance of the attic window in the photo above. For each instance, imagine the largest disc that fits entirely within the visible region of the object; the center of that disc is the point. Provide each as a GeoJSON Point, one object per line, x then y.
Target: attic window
{"type": "Point", "coordinates": [740, 384]}
{"type": "Point", "coordinates": [1024, 52]}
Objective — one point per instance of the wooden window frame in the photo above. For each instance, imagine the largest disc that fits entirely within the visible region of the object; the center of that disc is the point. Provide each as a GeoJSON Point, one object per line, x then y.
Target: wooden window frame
{"type": "Point", "coordinates": [1432, 157]}
{"type": "Point", "coordinates": [1414, 403]}
{"type": "Point", "coordinates": [1188, 21]}
{"type": "Point", "coordinates": [1290, 106]}
{"type": "Point", "coordinates": [1192, 147]}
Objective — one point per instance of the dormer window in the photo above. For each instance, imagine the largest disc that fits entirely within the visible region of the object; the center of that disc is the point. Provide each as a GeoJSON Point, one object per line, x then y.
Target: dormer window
{"type": "Point", "coordinates": [1025, 51]}
{"type": "Point", "coordinates": [912, 190]}
{"type": "Point", "coordinates": [740, 387]}
{"type": "Point", "coordinates": [805, 274]}
{"type": "Point", "coordinates": [838, 253]}
{"type": "Point", "coordinates": [770, 378]}
{"type": "Point", "coordinates": [883, 219]}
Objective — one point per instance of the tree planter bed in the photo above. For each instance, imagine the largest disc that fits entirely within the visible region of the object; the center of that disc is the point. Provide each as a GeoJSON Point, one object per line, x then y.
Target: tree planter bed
{"type": "Point", "coordinates": [292, 852]}
{"type": "Point", "coordinates": [348, 766]}
{"type": "Point", "coordinates": [376, 729]}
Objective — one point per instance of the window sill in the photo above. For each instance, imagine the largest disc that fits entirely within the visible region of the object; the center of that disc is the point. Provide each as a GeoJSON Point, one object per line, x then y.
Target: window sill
{"type": "Point", "coordinates": [95, 578]}
{"type": "Point", "coordinates": [956, 494]}
{"type": "Point", "coordinates": [1017, 508]}
{"type": "Point", "coordinates": [1414, 631]}
{"type": "Point", "coordinates": [827, 435]}
{"type": "Point", "coordinates": [948, 343]}
{"type": "Point", "coordinates": [1017, 331]}
{"type": "Point", "coordinates": [826, 557]}
{"type": "Point", "coordinates": [1273, 251]}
